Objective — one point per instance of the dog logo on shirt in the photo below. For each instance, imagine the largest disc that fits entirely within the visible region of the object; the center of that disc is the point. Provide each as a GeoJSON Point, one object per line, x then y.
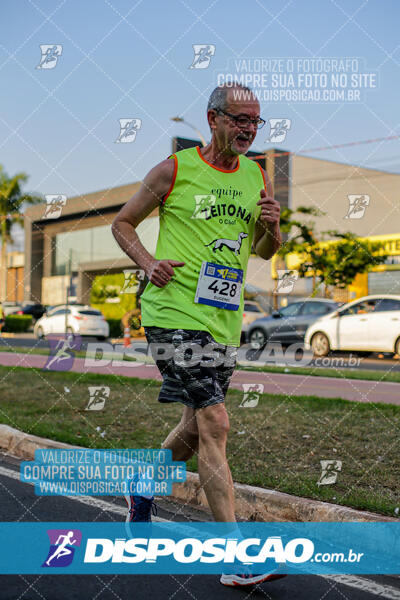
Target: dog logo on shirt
{"type": "Point", "coordinates": [233, 245]}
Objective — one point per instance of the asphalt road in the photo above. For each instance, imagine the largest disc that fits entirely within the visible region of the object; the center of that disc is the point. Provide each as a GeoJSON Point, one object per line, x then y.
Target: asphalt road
{"type": "Point", "coordinates": [18, 502]}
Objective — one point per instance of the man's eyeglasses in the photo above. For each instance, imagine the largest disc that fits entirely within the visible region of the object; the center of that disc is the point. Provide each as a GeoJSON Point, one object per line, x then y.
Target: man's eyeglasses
{"type": "Point", "coordinates": [242, 120]}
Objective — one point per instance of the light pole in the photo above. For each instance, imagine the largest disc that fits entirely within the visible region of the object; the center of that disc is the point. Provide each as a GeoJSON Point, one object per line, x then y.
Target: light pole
{"type": "Point", "coordinates": [68, 291]}
{"type": "Point", "coordinates": [182, 120]}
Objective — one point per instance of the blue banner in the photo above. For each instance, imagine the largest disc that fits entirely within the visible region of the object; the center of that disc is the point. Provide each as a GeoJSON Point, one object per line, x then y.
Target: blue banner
{"type": "Point", "coordinates": [87, 472]}
{"type": "Point", "coordinates": [200, 548]}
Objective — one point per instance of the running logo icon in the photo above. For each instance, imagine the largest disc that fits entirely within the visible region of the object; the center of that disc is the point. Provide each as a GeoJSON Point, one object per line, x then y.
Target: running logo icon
{"type": "Point", "coordinates": [133, 277]}
{"type": "Point", "coordinates": [54, 205]}
{"type": "Point", "coordinates": [278, 129]}
{"type": "Point", "coordinates": [61, 356]}
{"type": "Point", "coordinates": [63, 543]}
{"type": "Point", "coordinates": [357, 206]}
{"type": "Point", "coordinates": [251, 394]}
{"type": "Point", "coordinates": [204, 202]}
{"type": "Point", "coordinates": [128, 130]}
{"type": "Point", "coordinates": [97, 397]}
{"type": "Point", "coordinates": [50, 55]}
{"type": "Point", "coordinates": [330, 470]}
{"type": "Point", "coordinates": [202, 55]}
{"type": "Point", "coordinates": [286, 281]}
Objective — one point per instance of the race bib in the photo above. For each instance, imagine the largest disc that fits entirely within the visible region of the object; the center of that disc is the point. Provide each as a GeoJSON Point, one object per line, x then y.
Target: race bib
{"type": "Point", "coordinates": [219, 286]}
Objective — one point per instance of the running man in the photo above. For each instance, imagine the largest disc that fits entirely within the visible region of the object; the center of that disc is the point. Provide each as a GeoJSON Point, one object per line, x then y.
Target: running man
{"type": "Point", "coordinates": [62, 549]}
{"type": "Point", "coordinates": [214, 205]}
{"type": "Point", "coordinates": [62, 351]}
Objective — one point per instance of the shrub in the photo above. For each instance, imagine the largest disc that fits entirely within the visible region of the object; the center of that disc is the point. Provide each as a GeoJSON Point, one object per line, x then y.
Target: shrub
{"type": "Point", "coordinates": [110, 311]}
{"type": "Point", "coordinates": [115, 327]}
{"type": "Point", "coordinates": [17, 323]}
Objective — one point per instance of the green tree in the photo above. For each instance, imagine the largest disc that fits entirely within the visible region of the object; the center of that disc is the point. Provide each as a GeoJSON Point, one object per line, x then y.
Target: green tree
{"type": "Point", "coordinates": [335, 264]}
{"type": "Point", "coordinates": [348, 257]}
{"type": "Point", "coordinates": [12, 202]}
{"type": "Point", "coordinates": [302, 239]}
{"type": "Point", "coordinates": [305, 231]}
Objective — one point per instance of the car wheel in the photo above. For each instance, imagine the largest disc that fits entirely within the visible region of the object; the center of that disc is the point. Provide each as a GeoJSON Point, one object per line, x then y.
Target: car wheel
{"type": "Point", "coordinates": [257, 339]}
{"type": "Point", "coordinates": [320, 344]}
{"type": "Point", "coordinates": [101, 338]}
{"type": "Point", "coordinates": [397, 347]}
{"type": "Point", "coordinates": [40, 333]}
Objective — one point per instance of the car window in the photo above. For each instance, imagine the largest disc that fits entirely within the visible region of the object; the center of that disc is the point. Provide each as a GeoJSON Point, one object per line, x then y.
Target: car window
{"type": "Point", "coordinates": [52, 309]}
{"type": "Point", "coordinates": [316, 308]}
{"type": "Point", "coordinates": [291, 310]}
{"type": "Point", "coordinates": [97, 313]}
{"type": "Point", "coordinates": [61, 311]}
{"type": "Point", "coordinates": [361, 308]}
{"type": "Point", "coordinates": [251, 308]}
{"type": "Point", "coordinates": [388, 304]}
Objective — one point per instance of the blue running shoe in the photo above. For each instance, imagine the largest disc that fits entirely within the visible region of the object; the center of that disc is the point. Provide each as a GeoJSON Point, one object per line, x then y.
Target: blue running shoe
{"type": "Point", "coordinates": [140, 509]}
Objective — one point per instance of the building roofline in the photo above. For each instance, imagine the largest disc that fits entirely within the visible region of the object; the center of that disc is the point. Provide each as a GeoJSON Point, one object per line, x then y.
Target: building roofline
{"type": "Point", "coordinates": [88, 203]}
{"type": "Point", "coordinates": [294, 154]}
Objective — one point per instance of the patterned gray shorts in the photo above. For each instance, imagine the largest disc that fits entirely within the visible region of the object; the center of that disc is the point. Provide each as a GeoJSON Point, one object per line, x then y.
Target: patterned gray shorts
{"type": "Point", "coordinates": [195, 383]}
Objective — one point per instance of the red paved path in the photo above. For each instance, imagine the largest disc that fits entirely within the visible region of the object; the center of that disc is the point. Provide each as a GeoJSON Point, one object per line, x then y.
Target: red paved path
{"type": "Point", "coordinates": [274, 383]}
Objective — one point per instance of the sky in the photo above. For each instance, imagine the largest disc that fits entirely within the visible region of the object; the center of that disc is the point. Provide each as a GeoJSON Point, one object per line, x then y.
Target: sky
{"type": "Point", "coordinates": [132, 60]}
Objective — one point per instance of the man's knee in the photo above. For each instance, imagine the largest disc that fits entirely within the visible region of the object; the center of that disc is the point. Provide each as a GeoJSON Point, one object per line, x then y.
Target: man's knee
{"type": "Point", "coordinates": [189, 423]}
{"type": "Point", "coordinates": [213, 422]}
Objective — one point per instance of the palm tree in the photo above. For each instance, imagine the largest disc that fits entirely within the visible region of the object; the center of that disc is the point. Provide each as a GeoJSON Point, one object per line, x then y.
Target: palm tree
{"type": "Point", "coordinates": [12, 201]}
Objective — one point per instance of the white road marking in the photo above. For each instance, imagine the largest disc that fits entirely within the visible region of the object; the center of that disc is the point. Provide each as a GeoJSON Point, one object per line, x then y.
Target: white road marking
{"type": "Point", "coordinates": [366, 585]}
{"type": "Point", "coordinates": [88, 500]}
{"type": "Point", "coordinates": [94, 502]}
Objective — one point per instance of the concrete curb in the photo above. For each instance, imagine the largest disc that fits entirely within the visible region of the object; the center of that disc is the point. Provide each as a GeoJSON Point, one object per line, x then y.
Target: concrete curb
{"type": "Point", "coordinates": [251, 503]}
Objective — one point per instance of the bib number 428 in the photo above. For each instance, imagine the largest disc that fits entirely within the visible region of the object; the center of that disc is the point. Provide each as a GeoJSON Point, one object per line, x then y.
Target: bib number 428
{"type": "Point", "coordinates": [219, 285]}
{"type": "Point", "coordinates": [223, 288]}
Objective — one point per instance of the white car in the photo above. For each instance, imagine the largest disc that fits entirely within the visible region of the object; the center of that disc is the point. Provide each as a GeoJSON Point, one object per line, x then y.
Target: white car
{"type": "Point", "coordinates": [82, 320]}
{"type": "Point", "coordinates": [10, 307]}
{"type": "Point", "coordinates": [370, 324]}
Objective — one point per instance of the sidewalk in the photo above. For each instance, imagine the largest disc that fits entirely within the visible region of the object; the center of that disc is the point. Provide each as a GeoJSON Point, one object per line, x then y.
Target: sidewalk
{"type": "Point", "coordinates": [356, 390]}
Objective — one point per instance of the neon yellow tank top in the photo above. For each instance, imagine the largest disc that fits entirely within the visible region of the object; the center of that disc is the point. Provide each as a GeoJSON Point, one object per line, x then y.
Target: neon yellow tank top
{"type": "Point", "coordinates": [208, 215]}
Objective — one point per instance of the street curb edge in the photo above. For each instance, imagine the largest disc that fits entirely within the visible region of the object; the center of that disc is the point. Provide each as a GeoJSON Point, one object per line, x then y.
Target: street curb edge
{"type": "Point", "coordinates": [251, 503]}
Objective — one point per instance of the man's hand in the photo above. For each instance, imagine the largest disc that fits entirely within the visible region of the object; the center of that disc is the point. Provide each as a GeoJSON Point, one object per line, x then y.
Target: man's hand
{"type": "Point", "coordinates": [270, 208]}
{"type": "Point", "coordinates": [161, 271]}
{"type": "Point", "coordinates": [267, 235]}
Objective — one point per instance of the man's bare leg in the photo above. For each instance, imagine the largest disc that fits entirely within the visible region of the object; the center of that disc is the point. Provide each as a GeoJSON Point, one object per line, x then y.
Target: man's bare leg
{"type": "Point", "coordinates": [184, 439]}
{"type": "Point", "coordinates": [214, 471]}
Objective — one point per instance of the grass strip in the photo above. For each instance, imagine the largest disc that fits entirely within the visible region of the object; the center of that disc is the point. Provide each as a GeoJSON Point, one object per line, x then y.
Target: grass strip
{"type": "Point", "coordinates": [276, 445]}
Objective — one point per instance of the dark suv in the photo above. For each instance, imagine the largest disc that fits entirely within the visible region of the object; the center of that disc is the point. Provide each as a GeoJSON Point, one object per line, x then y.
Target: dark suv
{"type": "Point", "coordinates": [35, 310]}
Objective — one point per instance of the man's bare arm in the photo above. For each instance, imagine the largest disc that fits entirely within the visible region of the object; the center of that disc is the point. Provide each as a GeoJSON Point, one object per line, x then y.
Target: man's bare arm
{"type": "Point", "coordinates": [154, 187]}
{"type": "Point", "coordinates": [267, 234]}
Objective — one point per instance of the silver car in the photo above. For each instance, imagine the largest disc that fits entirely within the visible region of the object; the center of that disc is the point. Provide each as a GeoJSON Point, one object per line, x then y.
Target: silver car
{"type": "Point", "coordinates": [289, 324]}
